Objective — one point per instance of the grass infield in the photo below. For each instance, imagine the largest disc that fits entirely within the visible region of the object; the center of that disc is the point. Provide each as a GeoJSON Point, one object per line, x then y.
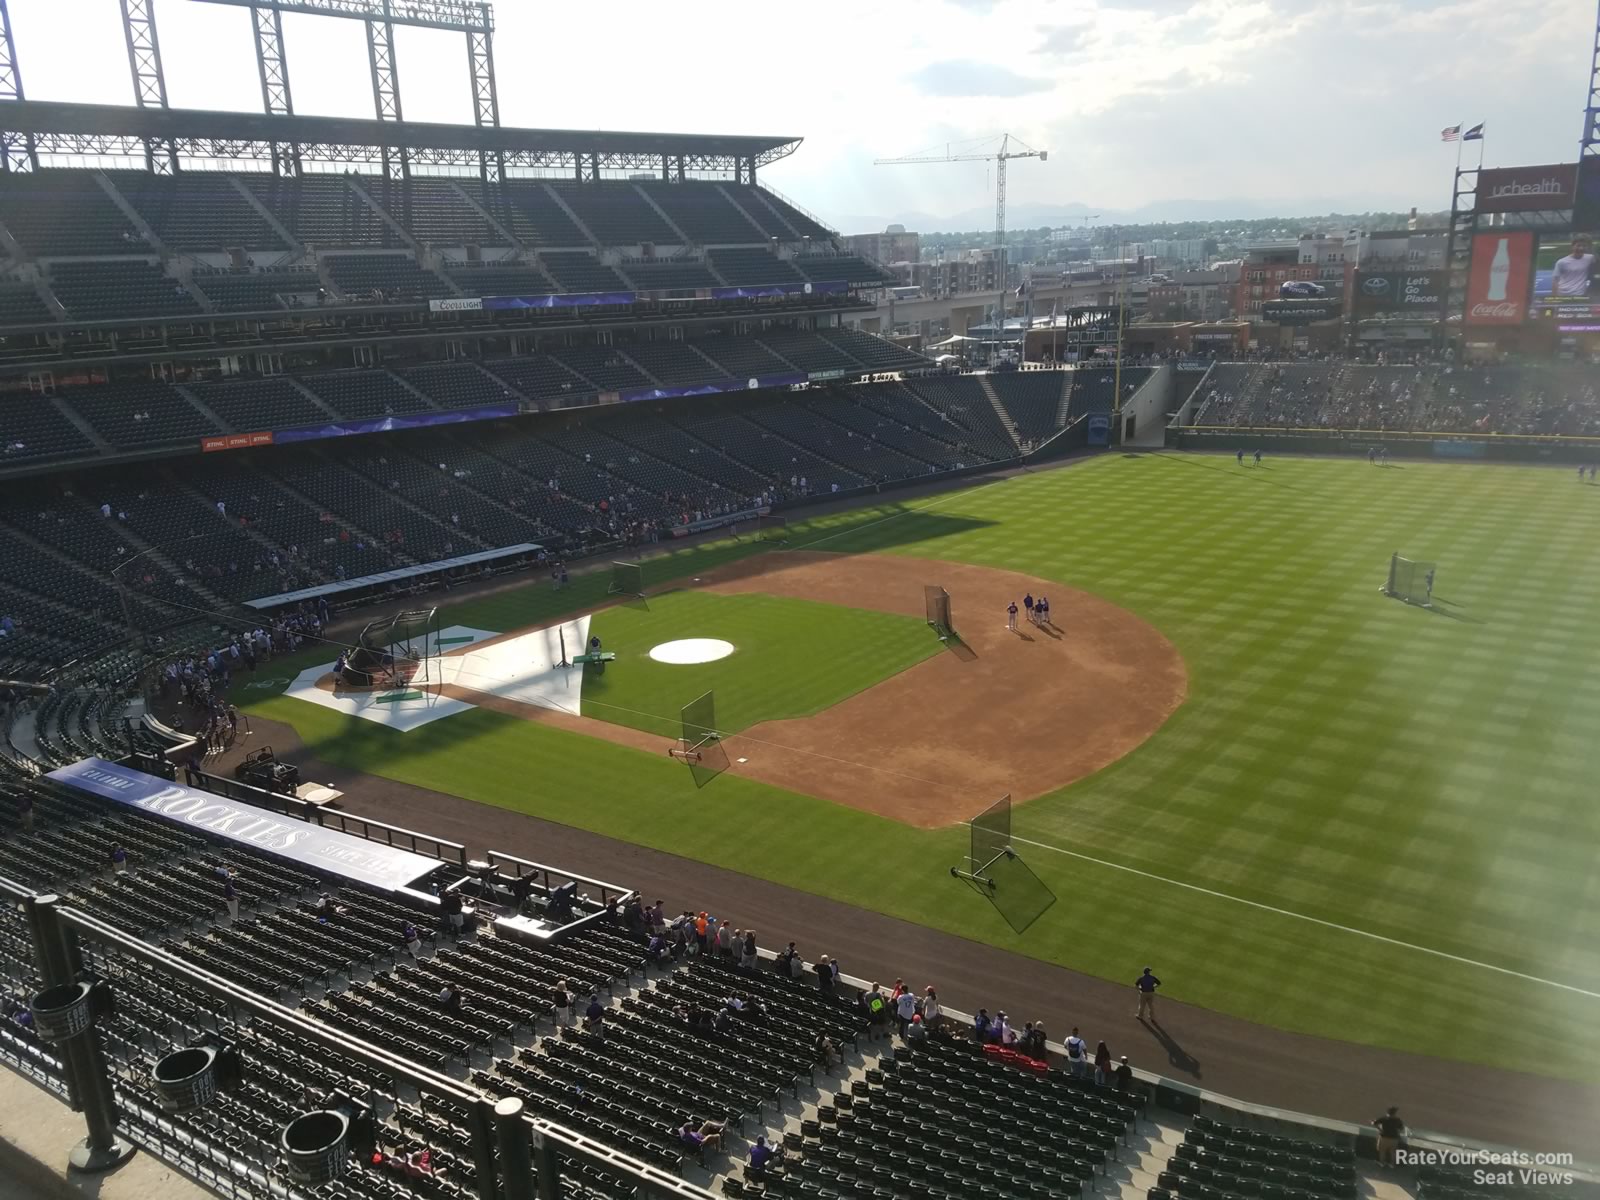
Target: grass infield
{"type": "Point", "coordinates": [1368, 821]}
{"type": "Point", "coordinates": [791, 658]}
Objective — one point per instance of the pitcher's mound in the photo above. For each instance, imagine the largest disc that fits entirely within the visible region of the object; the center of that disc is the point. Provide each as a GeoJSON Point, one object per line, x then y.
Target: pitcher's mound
{"type": "Point", "coordinates": [688, 651]}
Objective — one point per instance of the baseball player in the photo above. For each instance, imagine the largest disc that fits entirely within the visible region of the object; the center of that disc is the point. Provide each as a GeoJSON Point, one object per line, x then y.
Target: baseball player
{"type": "Point", "coordinates": [1027, 604]}
{"type": "Point", "coordinates": [1041, 610]}
{"type": "Point", "coordinates": [1011, 616]}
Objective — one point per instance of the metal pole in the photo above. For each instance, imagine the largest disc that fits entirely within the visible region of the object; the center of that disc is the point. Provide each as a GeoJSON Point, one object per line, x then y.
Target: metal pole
{"type": "Point", "coordinates": [88, 1078]}
{"type": "Point", "coordinates": [515, 1141]}
{"type": "Point", "coordinates": [480, 1123]}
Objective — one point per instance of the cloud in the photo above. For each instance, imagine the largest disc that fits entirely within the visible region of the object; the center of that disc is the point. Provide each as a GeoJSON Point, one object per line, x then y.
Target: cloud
{"type": "Point", "coordinates": [958, 77]}
{"type": "Point", "coordinates": [1065, 39]}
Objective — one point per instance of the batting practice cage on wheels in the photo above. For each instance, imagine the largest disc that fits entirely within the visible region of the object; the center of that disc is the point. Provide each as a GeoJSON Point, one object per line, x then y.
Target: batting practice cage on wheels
{"type": "Point", "coordinates": [1410, 580]}
{"type": "Point", "coordinates": [995, 869]}
{"type": "Point", "coordinates": [700, 742]}
{"type": "Point", "coordinates": [396, 650]}
{"type": "Point", "coordinates": [937, 602]}
{"type": "Point", "coordinates": [627, 579]}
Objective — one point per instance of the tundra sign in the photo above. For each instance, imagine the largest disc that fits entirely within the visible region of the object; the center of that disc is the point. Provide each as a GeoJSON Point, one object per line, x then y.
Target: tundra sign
{"type": "Point", "coordinates": [1411, 293]}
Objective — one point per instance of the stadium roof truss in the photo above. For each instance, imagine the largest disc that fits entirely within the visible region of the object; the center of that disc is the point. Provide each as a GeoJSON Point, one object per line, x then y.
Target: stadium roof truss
{"type": "Point", "coordinates": [57, 133]}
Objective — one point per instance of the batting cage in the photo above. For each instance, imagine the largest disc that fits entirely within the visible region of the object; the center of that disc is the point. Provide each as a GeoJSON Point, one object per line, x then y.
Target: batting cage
{"type": "Point", "coordinates": [1410, 580]}
{"type": "Point", "coordinates": [397, 651]}
{"type": "Point", "coordinates": [772, 529]}
{"type": "Point", "coordinates": [627, 579]}
{"type": "Point", "coordinates": [937, 602]}
{"type": "Point", "coordinates": [700, 742]}
{"type": "Point", "coordinates": [997, 871]}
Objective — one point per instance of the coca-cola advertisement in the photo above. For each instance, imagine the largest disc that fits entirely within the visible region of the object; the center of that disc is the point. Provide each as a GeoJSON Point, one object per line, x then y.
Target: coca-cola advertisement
{"type": "Point", "coordinates": [1502, 271]}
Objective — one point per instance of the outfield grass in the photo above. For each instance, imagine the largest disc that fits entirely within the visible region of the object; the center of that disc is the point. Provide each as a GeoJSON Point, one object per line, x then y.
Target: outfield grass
{"type": "Point", "coordinates": [791, 658]}
{"type": "Point", "coordinates": [1368, 821]}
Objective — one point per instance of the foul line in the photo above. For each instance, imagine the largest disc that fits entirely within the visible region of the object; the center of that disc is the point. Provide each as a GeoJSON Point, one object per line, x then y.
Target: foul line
{"type": "Point", "coordinates": [1284, 912]}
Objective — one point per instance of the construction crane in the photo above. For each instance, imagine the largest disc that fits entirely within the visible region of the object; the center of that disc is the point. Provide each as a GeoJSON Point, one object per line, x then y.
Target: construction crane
{"type": "Point", "coordinates": [999, 158]}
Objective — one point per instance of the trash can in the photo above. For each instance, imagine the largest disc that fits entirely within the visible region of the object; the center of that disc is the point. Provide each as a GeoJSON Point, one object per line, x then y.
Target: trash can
{"type": "Point", "coordinates": [186, 1079]}
{"type": "Point", "coordinates": [316, 1147]}
{"type": "Point", "coordinates": [61, 1012]}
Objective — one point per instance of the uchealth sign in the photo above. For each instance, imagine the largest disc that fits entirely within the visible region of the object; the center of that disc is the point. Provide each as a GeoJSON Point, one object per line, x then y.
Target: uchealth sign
{"type": "Point", "coordinates": [1526, 189]}
{"type": "Point", "coordinates": [311, 846]}
{"type": "Point", "coordinates": [1501, 278]}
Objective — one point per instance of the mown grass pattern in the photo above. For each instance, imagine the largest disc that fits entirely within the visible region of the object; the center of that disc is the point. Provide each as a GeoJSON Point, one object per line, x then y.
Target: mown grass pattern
{"type": "Point", "coordinates": [791, 658]}
{"type": "Point", "coordinates": [1417, 776]}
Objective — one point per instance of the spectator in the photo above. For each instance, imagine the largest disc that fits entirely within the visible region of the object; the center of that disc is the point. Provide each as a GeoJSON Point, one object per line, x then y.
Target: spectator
{"type": "Point", "coordinates": [595, 1013]}
{"type": "Point", "coordinates": [828, 1053]}
{"type": "Point", "coordinates": [412, 939]}
{"type": "Point", "coordinates": [230, 899]}
{"type": "Point", "coordinates": [748, 958]}
{"type": "Point", "coordinates": [905, 1008]}
{"type": "Point", "coordinates": [1001, 1030]}
{"type": "Point", "coordinates": [762, 1155]}
{"type": "Point", "coordinates": [932, 1014]}
{"type": "Point", "coordinates": [119, 858]}
{"type": "Point", "coordinates": [658, 916]}
{"type": "Point", "coordinates": [982, 1026]}
{"type": "Point", "coordinates": [916, 1031]}
{"type": "Point", "coordinates": [449, 998]}
{"type": "Point", "coordinates": [876, 1006]}
{"type": "Point", "coordinates": [1391, 1131]}
{"type": "Point", "coordinates": [708, 1134]}
{"type": "Point", "coordinates": [825, 975]}
{"type": "Point", "coordinates": [1124, 1074]}
{"type": "Point", "coordinates": [1077, 1055]}
{"type": "Point", "coordinates": [1102, 1064]}
{"type": "Point", "coordinates": [725, 937]}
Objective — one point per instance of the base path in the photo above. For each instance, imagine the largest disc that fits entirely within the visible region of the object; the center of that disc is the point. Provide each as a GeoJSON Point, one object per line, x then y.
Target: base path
{"type": "Point", "coordinates": [1022, 712]}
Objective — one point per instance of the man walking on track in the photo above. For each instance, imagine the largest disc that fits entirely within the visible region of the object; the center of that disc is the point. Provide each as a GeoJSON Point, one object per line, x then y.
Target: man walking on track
{"type": "Point", "coordinates": [1011, 616]}
{"type": "Point", "coordinates": [1146, 985]}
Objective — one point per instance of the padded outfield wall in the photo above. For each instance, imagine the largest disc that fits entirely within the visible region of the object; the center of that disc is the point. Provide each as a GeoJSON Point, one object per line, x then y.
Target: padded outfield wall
{"type": "Point", "coordinates": [1444, 447]}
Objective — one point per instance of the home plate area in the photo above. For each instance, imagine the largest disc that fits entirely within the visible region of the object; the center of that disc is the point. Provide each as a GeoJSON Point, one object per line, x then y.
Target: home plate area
{"type": "Point", "coordinates": [521, 667]}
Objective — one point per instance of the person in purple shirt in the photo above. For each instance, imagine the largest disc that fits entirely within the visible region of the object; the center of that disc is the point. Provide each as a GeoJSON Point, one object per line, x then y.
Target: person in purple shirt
{"type": "Point", "coordinates": [762, 1155]}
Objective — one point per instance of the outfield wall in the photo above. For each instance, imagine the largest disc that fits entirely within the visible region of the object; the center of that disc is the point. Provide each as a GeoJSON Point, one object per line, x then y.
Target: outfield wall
{"type": "Point", "coordinates": [1445, 447]}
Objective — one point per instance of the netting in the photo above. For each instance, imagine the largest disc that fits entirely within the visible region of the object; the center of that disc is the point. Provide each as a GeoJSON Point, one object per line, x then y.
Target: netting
{"type": "Point", "coordinates": [627, 579]}
{"type": "Point", "coordinates": [1410, 580]}
{"type": "Point", "coordinates": [937, 603]}
{"type": "Point", "coordinates": [772, 528]}
{"type": "Point", "coordinates": [991, 835]}
{"type": "Point", "coordinates": [396, 651]}
{"type": "Point", "coordinates": [699, 718]}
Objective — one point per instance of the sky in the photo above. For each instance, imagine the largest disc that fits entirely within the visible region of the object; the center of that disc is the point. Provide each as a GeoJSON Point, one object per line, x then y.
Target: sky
{"type": "Point", "coordinates": [1149, 109]}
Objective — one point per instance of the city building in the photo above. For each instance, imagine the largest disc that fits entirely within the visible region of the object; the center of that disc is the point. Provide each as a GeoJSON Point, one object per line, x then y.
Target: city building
{"type": "Point", "coordinates": [893, 245]}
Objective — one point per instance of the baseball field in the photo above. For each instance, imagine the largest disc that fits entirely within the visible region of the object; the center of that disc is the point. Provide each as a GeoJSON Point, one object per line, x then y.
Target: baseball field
{"type": "Point", "coordinates": [1232, 758]}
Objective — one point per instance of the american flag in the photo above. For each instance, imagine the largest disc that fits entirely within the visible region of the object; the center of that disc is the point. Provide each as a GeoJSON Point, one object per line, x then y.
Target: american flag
{"type": "Point", "coordinates": [1450, 134]}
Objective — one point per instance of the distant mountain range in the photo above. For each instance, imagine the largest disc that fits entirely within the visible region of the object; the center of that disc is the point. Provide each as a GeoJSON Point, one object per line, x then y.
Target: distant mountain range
{"type": "Point", "coordinates": [1029, 215]}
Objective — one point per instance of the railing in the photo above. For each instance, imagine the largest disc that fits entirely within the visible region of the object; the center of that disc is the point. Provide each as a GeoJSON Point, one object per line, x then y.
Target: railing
{"type": "Point", "coordinates": [390, 835]}
{"type": "Point", "coordinates": [799, 208]}
{"type": "Point", "coordinates": [153, 1003]}
{"type": "Point", "coordinates": [522, 868]}
{"type": "Point", "coordinates": [367, 828]}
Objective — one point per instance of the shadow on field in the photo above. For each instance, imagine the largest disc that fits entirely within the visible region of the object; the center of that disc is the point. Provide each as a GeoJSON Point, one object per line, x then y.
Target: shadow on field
{"type": "Point", "coordinates": [891, 525]}
{"type": "Point", "coordinates": [1449, 608]}
{"type": "Point", "coordinates": [1178, 1058]}
{"type": "Point", "coordinates": [954, 645]}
